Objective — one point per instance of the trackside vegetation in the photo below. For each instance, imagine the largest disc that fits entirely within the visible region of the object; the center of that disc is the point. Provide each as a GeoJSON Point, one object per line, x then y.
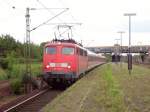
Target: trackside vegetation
{"type": "Point", "coordinates": [3, 74]}
{"type": "Point", "coordinates": [12, 57]}
{"type": "Point", "coordinates": [108, 88]}
{"type": "Point", "coordinates": [12, 61]}
{"type": "Point", "coordinates": [17, 71]}
{"type": "Point", "coordinates": [15, 76]}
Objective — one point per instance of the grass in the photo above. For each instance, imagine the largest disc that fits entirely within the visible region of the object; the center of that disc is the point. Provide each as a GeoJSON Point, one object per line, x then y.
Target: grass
{"type": "Point", "coordinates": [135, 87]}
{"type": "Point", "coordinates": [113, 90]}
{"type": "Point", "coordinates": [108, 88]}
{"type": "Point", "coordinates": [94, 93]}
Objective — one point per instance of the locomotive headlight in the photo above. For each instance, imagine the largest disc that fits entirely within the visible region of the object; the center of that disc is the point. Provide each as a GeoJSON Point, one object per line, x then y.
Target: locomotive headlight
{"type": "Point", "coordinates": [52, 64]}
{"type": "Point", "coordinates": [64, 64]}
{"type": "Point", "coordinates": [69, 66]}
{"type": "Point", "coordinates": [47, 66]}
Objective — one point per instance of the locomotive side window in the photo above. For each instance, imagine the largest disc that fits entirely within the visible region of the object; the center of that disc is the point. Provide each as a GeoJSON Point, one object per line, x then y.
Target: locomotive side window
{"type": "Point", "coordinates": [81, 52]}
{"type": "Point", "coordinates": [77, 51]}
{"type": "Point", "coordinates": [68, 50]}
{"type": "Point", "coordinates": [50, 50]}
{"type": "Point", "coordinates": [85, 53]}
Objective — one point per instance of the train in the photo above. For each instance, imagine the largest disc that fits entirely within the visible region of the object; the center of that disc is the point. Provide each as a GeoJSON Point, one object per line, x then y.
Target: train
{"type": "Point", "coordinates": [65, 61]}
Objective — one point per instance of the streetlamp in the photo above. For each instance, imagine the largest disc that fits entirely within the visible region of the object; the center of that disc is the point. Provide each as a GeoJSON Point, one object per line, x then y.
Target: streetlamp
{"type": "Point", "coordinates": [129, 47]}
{"type": "Point", "coordinates": [117, 41]}
{"type": "Point", "coordinates": [120, 32]}
{"type": "Point", "coordinates": [116, 51]}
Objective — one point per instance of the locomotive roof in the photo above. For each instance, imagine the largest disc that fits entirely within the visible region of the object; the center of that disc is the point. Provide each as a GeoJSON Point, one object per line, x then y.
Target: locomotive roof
{"type": "Point", "coordinates": [60, 43]}
{"type": "Point", "coordinates": [64, 42]}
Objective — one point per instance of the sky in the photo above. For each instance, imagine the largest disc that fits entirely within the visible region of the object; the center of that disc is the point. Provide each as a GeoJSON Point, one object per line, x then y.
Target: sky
{"type": "Point", "coordinates": [101, 20]}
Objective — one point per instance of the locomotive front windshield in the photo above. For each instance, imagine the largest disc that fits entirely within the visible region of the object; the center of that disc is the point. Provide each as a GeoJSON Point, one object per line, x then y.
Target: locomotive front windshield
{"type": "Point", "coordinates": [50, 50]}
{"type": "Point", "coordinates": [68, 50]}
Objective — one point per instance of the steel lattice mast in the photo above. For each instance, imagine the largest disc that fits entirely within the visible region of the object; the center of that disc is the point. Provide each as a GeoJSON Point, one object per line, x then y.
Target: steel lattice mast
{"type": "Point", "coordinates": [28, 50]}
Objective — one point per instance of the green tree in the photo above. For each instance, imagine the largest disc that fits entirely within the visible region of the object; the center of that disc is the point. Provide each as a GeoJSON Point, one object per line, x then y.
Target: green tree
{"type": "Point", "coordinates": [7, 44]}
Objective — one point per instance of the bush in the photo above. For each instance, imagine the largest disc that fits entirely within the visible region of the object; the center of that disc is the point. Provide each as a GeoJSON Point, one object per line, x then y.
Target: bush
{"type": "Point", "coordinates": [3, 74]}
{"type": "Point", "coordinates": [11, 58]}
{"type": "Point", "coordinates": [3, 63]}
{"type": "Point", "coordinates": [16, 85]}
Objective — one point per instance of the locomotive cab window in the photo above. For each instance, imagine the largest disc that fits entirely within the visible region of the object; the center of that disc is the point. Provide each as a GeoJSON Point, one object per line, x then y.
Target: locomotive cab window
{"type": "Point", "coordinates": [68, 50]}
{"type": "Point", "coordinates": [50, 50]}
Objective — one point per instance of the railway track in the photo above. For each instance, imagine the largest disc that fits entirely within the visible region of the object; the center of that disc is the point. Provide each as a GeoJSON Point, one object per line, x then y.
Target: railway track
{"type": "Point", "coordinates": [34, 103]}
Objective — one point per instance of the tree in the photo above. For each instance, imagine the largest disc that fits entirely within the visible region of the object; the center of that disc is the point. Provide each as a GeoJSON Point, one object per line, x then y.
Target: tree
{"type": "Point", "coordinates": [8, 44]}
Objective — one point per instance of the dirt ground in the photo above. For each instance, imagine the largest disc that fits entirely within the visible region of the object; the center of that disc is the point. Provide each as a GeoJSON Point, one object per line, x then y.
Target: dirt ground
{"type": "Point", "coordinates": [5, 92]}
{"type": "Point", "coordinates": [4, 88]}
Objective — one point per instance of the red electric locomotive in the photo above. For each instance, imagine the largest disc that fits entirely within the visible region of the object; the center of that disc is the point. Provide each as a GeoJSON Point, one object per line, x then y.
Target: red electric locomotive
{"type": "Point", "coordinates": [66, 60]}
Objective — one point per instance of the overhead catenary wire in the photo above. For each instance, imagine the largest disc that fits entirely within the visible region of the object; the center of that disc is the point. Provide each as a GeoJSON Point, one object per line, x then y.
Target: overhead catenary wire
{"type": "Point", "coordinates": [13, 5]}
{"type": "Point", "coordinates": [48, 9]}
{"type": "Point", "coordinates": [49, 19]}
{"type": "Point", "coordinates": [44, 7]}
{"type": "Point", "coordinates": [76, 32]}
{"type": "Point", "coordinates": [6, 2]}
{"type": "Point", "coordinates": [73, 18]}
{"type": "Point", "coordinates": [65, 23]}
{"type": "Point", "coordinates": [64, 32]}
{"type": "Point", "coordinates": [64, 5]}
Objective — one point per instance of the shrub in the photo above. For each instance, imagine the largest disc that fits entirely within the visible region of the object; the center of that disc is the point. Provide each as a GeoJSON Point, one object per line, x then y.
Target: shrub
{"type": "Point", "coordinates": [16, 85]}
{"type": "Point", "coordinates": [3, 75]}
{"type": "Point", "coordinates": [3, 63]}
